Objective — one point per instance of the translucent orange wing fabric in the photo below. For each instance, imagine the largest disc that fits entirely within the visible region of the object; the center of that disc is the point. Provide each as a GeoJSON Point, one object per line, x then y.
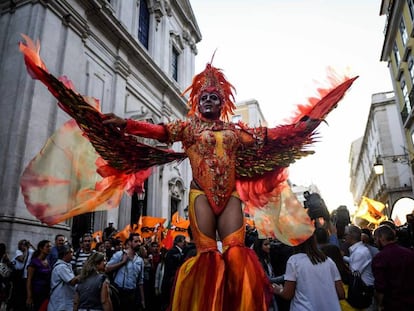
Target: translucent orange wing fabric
{"type": "Point", "coordinates": [59, 183]}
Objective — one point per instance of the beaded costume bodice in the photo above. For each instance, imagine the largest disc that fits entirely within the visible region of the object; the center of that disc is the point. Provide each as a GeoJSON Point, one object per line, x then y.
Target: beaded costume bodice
{"type": "Point", "coordinates": [211, 148]}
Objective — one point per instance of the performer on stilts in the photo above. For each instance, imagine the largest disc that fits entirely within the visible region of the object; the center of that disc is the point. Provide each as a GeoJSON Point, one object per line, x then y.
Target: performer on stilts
{"type": "Point", "coordinates": [234, 168]}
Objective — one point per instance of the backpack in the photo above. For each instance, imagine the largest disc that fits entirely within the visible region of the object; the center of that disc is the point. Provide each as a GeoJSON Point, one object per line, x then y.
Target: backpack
{"type": "Point", "coordinates": [359, 294]}
{"type": "Point", "coordinates": [113, 294]}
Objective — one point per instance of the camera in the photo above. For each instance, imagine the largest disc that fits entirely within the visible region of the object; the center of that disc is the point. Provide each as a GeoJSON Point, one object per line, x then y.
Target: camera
{"type": "Point", "coordinates": [278, 279]}
{"type": "Point", "coordinates": [316, 206]}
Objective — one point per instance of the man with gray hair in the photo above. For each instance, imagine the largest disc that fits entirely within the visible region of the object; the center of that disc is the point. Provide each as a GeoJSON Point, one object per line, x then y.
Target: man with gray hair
{"type": "Point", "coordinates": [360, 258]}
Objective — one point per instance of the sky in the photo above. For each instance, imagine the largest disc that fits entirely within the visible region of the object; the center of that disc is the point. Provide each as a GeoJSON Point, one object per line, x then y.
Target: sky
{"type": "Point", "coordinates": [274, 51]}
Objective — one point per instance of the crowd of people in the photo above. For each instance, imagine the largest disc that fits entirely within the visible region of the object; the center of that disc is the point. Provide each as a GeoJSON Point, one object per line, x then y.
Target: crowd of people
{"type": "Point", "coordinates": [140, 275]}
{"type": "Point", "coordinates": [136, 274]}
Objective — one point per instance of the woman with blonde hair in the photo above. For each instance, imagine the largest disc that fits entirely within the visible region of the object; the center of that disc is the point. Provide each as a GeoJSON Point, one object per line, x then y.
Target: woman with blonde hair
{"type": "Point", "coordinates": [93, 292]}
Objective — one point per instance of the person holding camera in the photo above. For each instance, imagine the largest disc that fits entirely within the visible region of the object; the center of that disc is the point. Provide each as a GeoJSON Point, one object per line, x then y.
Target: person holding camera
{"type": "Point", "coordinates": [128, 274]}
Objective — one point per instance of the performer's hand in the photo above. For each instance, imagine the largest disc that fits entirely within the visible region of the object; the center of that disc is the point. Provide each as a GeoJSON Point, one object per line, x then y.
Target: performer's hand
{"type": "Point", "coordinates": [113, 119]}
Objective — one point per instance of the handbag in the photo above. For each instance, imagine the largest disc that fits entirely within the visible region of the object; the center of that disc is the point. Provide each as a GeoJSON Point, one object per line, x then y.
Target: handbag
{"type": "Point", "coordinates": [5, 270]}
{"type": "Point", "coordinates": [359, 294]}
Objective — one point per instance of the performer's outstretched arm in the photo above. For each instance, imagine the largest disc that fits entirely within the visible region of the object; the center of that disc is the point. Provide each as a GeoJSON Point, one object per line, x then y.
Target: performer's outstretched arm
{"type": "Point", "coordinates": [138, 128]}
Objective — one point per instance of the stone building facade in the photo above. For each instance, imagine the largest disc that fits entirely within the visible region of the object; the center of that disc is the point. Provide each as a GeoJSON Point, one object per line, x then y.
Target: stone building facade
{"type": "Point", "coordinates": [136, 56]}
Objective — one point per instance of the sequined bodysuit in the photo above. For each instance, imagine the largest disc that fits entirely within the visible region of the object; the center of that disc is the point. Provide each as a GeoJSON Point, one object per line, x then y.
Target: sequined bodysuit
{"type": "Point", "coordinates": [211, 148]}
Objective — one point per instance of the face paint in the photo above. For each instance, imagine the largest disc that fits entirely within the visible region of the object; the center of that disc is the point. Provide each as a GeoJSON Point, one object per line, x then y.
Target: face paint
{"type": "Point", "coordinates": [210, 105]}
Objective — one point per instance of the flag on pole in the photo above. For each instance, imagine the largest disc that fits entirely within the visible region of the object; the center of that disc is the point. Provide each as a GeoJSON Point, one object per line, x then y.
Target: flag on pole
{"type": "Point", "coordinates": [371, 211]}
{"type": "Point", "coordinates": [177, 226]}
{"type": "Point", "coordinates": [150, 226]}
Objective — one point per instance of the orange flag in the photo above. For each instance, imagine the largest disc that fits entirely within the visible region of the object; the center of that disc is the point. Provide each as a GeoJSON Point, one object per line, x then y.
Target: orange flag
{"type": "Point", "coordinates": [97, 237]}
{"type": "Point", "coordinates": [178, 225]}
{"type": "Point", "coordinates": [124, 233]}
{"type": "Point", "coordinates": [150, 226]}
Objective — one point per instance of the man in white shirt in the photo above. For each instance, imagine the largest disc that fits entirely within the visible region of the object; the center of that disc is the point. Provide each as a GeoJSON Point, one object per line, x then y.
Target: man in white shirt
{"type": "Point", "coordinates": [360, 257]}
{"type": "Point", "coordinates": [63, 281]}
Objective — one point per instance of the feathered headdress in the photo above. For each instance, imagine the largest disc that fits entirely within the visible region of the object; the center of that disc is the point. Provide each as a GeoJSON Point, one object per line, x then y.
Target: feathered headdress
{"type": "Point", "coordinates": [211, 79]}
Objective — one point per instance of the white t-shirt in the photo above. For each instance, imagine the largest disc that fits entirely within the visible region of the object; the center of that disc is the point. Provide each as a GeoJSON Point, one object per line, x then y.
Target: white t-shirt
{"type": "Point", "coordinates": [22, 265]}
{"type": "Point", "coordinates": [315, 284]}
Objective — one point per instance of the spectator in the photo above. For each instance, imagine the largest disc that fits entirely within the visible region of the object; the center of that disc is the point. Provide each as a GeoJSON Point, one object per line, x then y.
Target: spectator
{"type": "Point", "coordinates": [173, 260]}
{"type": "Point", "coordinates": [100, 247]}
{"type": "Point", "coordinates": [312, 280]}
{"type": "Point", "coordinates": [334, 252]}
{"type": "Point", "coordinates": [5, 275]}
{"type": "Point", "coordinates": [159, 275]}
{"type": "Point", "coordinates": [109, 249]}
{"type": "Point", "coordinates": [20, 261]}
{"type": "Point", "coordinates": [59, 242]}
{"type": "Point", "coordinates": [322, 237]}
{"type": "Point", "coordinates": [279, 255]}
{"type": "Point", "coordinates": [62, 281]}
{"type": "Point", "coordinates": [148, 287]}
{"type": "Point", "coordinates": [38, 276]}
{"type": "Point", "coordinates": [82, 254]}
{"type": "Point", "coordinates": [109, 232]}
{"type": "Point", "coordinates": [128, 269]}
{"type": "Point", "coordinates": [393, 269]}
{"type": "Point", "coordinates": [360, 257]}
{"type": "Point", "coordinates": [262, 250]}
{"type": "Point", "coordinates": [93, 290]}
{"type": "Point", "coordinates": [368, 240]}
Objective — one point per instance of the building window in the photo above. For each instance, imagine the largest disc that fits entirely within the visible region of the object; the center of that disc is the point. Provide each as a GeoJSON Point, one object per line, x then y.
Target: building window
{"type": "Point", "coordinates": [403, 32]}
{"type": "Point", "coordinates": [236, 118]}
{"type": "Point", "coordinates": [397, 55]}
{"type": "Point", "coordinates": [143, 27]}
{"type": "Point", "coordinates": [174, 206]}
{"type": "Point", "coordinates": [411, 9]}
{"type": "Point", "coordinates": [404, 90]}
{"type": "Point", "coordinates": [411, 67]}
{"type": "Point", "coordinates": [174, 63]}
{"type": "Point", "coordinates": [412, 137]}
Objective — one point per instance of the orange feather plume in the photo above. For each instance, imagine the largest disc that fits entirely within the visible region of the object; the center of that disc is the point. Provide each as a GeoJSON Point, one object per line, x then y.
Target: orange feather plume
{"type": "Point", "coordinates": [211, 79]}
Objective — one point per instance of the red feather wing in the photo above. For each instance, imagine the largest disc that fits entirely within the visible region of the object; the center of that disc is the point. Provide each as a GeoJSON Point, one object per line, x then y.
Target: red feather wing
{"type": "Point", "coordinates": [122, 152]}
{"type": "Point", "coordinates": [261, 168]}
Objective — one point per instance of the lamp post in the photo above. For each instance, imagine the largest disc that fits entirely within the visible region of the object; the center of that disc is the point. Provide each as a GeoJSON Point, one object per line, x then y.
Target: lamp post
{"type": "Point", "coordinates": [137, 206]}
{"type": "Point", "coordinates": [141, 198]}
{"type": "Point", "coordinates": [379, 166]}
{"type": "Point", "coordinates": [394, 183]}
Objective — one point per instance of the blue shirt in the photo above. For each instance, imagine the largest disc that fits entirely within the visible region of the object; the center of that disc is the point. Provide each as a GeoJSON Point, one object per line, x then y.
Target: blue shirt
{"type": "Point", "coordinates": [129, 275]}
{"type": "Point", "coordinates": [63, 293]}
